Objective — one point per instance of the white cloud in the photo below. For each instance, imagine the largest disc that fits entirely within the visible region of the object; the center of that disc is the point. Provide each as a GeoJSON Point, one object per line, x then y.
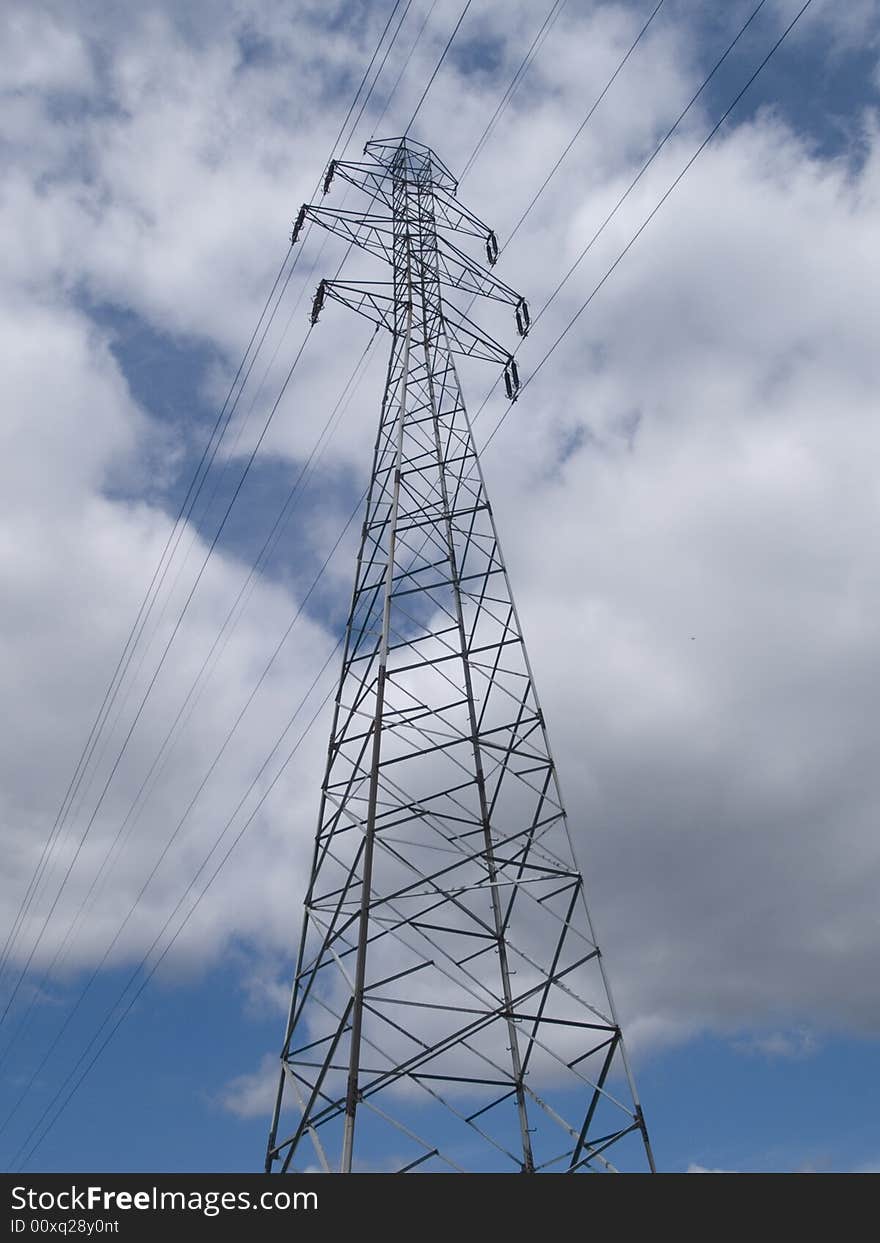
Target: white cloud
{"type": "Point", "coordinates": [252, 1095]}
{"type": "Point", "coordinates": [42, 53]}
{"type": "Point", "coordinates": [710, 579]}
{"type": "Point", "coordinates": [795, 1045]}
{"type": "Point", "coordinates": [695, 573]}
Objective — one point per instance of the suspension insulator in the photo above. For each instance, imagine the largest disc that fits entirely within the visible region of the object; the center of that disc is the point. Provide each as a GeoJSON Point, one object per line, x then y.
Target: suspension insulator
{"type": "Point", "coordinates": [328, 178]}
{"type": "Point", "coordinates": [491, 248]}
{"type": "Point", "coordinates": [523, 317]}
{"type": "Point", "coordinates": [298, 224]}
{"type": "Point", "coordinates": [318, 303]}
{"type": "Point", "coordinates": [511, 378]}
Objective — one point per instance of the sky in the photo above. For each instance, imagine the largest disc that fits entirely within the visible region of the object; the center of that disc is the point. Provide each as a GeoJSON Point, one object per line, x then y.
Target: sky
{"type": "Point", "coordinates": [685, 494]}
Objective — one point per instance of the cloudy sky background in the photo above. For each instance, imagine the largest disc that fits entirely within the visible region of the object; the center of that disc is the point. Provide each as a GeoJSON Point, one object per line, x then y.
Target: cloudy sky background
{"type": "Point", "coordinates": [686, 495]}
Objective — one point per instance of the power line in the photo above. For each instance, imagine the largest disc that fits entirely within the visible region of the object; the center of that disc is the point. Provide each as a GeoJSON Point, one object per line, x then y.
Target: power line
{"type": "Point", "coordinates": [368, 96]}
{"type": "Point", "coordinates": [189, 808]}
{"type": "Point", "coordinates": [192, 522]}
{"type": "Point", "coordinates": [205, 861]}
{"type": "Point", "coordinates": [250, 577]}
{"type": "Point", "coordinates": [180, 823]}
{"type": "Point", "coordinates": [167, 745]}
{"type": "Point", "coordinates": [719, 62]}
{"type": "Point", "coordinates": [547, 356]}
{"type": "Point", "coordinates": [110, 693]}
{"type": "Point", "coordinates": [153, 679]}
{"type": "Point", "coordinates": [580, 129]}
{"type": "Point", "coordinates": [404, 67]}
{"type": "Point", "coordinates": [644, 168]}
{"type": "Point", "coordinates": [714, 130]}
{"type": "Point", "coordinates": [683, 172]}
{"type": "Point", "coordinates": [189, 598]}
{"type": "Point", "coordinates": [203, 783]}
{"type": "Point", "coordinates": [524, 65]}
{"type": "Point", "coordinates": [351, 109]}
{"type": "Point", "coordinates": [449, 43]}
{"type": "Point", "coordinates": [113, 770]}
{"type": "Point", "coordinates": [73, 1089]}
{"type": "Point", "coordinates": [128, 647]}
{"type": "Point", "coordinates": [563, 154]}
{"type": "Point", "coordinates": [162, 567]}
{"type": "Point", "coordinates": [341, 131]}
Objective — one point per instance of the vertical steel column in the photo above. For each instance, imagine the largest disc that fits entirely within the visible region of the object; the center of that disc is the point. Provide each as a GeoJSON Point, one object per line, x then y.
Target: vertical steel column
{"type": "Point", "coordinates": [429, 271]}
{"type": "Point", "coordinates": [294, 992]}
{"type": "Point", "coordinates": [403, 281]}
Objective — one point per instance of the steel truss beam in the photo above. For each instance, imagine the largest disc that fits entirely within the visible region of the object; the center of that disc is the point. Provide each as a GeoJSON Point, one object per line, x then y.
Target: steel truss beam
{"type": "Point", "coordinates": [450, 1007]}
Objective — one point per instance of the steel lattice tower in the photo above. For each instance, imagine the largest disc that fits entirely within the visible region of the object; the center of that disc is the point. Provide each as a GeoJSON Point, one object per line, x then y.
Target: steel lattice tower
{"type": "Point", "coordinates": [450, 1008]}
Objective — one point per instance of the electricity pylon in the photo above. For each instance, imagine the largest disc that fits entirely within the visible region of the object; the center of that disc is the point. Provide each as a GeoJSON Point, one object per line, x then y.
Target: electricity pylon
{"type": "Point", "coordinates": [450, 1008]}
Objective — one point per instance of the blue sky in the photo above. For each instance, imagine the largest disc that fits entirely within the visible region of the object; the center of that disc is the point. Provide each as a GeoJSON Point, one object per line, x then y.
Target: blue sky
{"type": "Point", "coordinates": [723, 794]}
{"type": "Point", "coordinates": [718, 1104]}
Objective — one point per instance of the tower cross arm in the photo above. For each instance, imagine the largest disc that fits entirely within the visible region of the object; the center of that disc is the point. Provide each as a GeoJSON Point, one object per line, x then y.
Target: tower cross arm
{"type": "Point", "coordinates": [373, 234]}
{"type": "Point", "coordinates": [453, 215]}
{"type": "Point", "coordinates": [461, 271]}
{"type": "Point", "coordinates": [372, 179]}
{"type": "Point", "coordinates": [367, 299]}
